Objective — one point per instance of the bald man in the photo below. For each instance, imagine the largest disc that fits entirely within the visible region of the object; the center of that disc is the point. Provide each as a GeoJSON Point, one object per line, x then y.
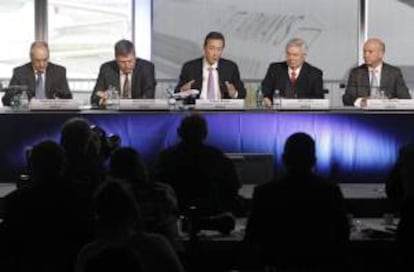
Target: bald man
{"type": "Point", "coordinates": [374, 78]}
{"type": "Point", "coordinates": [42, 78]}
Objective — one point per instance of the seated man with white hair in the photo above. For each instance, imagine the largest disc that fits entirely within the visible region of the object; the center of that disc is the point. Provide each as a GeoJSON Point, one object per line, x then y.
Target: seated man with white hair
{"type": "Point", "coordinates": [294, 78]}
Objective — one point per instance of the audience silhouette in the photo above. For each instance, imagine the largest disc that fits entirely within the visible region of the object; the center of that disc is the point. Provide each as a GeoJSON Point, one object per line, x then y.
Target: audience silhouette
{"type": "Point", "coordinates": [157, 201]}
{"type": "Point", "coordinates": [41, 231]}
{"type": "Point", "coordinates": [120, 226]}
{"type": "Point", "coordinates": [399, 188]}
{"type": "Point", "coordinates": [299, 222]}
{"type": "Point", "coordinates": [201, 175]}
{"type": "Point", "coordinates": [114, 260]}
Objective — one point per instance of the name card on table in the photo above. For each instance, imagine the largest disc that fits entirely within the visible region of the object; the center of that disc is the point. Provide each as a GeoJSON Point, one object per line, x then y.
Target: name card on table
{"type": "Point", "coordinates": [143, 104]}
{"type": "Point", "coordinates": [304, 104]}
{"type": "Point", "coordinates": [53, 104]}
{"type": "Point", "coordinates": [390, 104]}
{"type": "Point", "coordinates": [222, 104]}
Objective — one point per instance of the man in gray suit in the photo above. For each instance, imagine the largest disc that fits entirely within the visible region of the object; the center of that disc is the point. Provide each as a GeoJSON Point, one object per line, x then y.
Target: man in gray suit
{"type": "Point", "coordinates": [132, 77]}
{"type": "Point", "coordinates": [41, 78]}
{"type": "Point", "coordinates": [374, 78]}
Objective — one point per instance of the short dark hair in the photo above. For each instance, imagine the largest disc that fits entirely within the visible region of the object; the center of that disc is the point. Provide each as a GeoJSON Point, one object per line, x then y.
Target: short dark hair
{"type": "Point", "coordinates": [124, 47]}
{"type": "Point", "coordinates": [46, 159]}
{"type": "Point", "coordinates": [75, 135]}
{"type": "Point", "coordinates": [126, 163]}
{"type": "Point", "coordinates": [299, 151]}
{"type": "Point", "coordinates": [214, 36]}
{"type": "Point", "coordinates": [193, 128]}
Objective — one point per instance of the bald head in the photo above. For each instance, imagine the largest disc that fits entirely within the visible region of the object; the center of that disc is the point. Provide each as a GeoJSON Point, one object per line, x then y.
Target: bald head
{"type": "Point", "coordinates": [374, 50]}
{"type": "Point", "coordinates": [39, 55]}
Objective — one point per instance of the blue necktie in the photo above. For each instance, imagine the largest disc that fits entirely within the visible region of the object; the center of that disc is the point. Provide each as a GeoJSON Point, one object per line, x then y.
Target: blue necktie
{"type": "Point", "coordinates": [40, 86]}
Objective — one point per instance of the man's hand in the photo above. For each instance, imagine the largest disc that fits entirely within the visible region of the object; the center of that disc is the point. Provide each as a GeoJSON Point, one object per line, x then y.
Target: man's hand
{"type": "Point", "coordinates": [231, 89]}
{"type": "Point", "coordinates": [267, 103]}
{"type": "Point", "coordinates": [187, 86]}
{"type": "Point", "coordinates": [103, 97]}
{"type": "Point", "coordinates": [364, 103]}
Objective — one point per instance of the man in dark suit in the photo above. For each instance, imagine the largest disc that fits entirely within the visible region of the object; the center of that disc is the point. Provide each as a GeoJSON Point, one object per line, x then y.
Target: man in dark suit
{"type": "Point", "coordinates": [42, 78]}
{"type": "Point", "coordinates": [299, 221]}
{"type": "Point", "coordinates": [213, 76]}
{"type": "Point", "coordinates": [132, 77]}
{"type": "Point", "coordinates": [374, 78]}
{"type": "Point", "coordinates": [200, 174]}
{"type": "Point", "coordinates": [294, 78]}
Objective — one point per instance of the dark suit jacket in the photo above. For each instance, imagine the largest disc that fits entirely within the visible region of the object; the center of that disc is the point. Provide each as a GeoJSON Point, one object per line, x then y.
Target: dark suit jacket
{"type": "Point", "coordinates": [56, 84]}
{"type": "Point", "coordinates": [201, 175]}
{"type": "Point", "coordinates": [227, 71]}
{"type": "Point", "coordinates": [358, 84]}
{"type": "Point", "coordinates": [297, 218]}
{"type": "Point", "coordinates": [142, 85]}
{"type": "Point", "coordinates": [308, 84]}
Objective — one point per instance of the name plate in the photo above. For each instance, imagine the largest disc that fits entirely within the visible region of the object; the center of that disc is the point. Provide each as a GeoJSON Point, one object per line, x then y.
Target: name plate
{"type": "Point", "coordinates": [53, 104]}
{"type": "Point", "coordinates": [143, 104]}
{"type": "Point", "coordinates": [390, 104]}
{"type": "Point", "coordinates": [222, 104]}
{"type": "Point", "coordinates": [304, 104]}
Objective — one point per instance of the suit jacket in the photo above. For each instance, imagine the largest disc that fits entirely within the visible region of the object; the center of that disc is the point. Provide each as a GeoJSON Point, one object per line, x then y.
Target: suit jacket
{"type": "Point", "coordinates": [358, 84]}
{"type": "Point", "coordinates": [201, 176]}
{"type": "Point", "coordinates": [298, 219]}
{"type": "Point", "coordinates": [56, 84]}
{"type": "Point", "coordinates": [227, 71]}
{"type": "Point", "coordinates": [142, 85]}
{"type": "Point", "coordinates": [308, 83]}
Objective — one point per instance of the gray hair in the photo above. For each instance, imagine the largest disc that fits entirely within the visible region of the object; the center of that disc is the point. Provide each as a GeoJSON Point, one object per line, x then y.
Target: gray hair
{"type": "Point", "coordinates": [298, 42]}
{"type": "Point", "coordinates": [124, 47]}
{"type": "Point", "coordinates": [39, 44]}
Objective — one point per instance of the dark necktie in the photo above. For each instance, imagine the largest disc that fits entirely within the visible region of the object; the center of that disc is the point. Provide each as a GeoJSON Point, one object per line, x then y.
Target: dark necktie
{"type": "Point", "coordinates": [40, 86]}
{"type": "Point", "coordinates": [293, 78]}
{"type": "Point", "coordinates": [126, 93]}
{"type": "Point", "coordinates": [210, 84]}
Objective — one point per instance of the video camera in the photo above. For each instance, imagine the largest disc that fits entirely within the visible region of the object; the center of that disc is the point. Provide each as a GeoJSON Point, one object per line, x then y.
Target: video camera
{"type": "Point", "coordinates": [108, 142]}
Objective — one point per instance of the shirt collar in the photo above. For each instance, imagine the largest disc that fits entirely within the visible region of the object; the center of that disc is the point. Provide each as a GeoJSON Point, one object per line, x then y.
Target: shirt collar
{"type": "Point", "coordinates": [206, 64]}
{"type": "Point", "coordinates": [378, 69]}
{"type": "Point", "coordinates": [297, 70]}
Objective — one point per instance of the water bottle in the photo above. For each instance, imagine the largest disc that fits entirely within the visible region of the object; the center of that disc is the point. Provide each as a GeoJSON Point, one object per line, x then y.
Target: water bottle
{"type": "Point", "coordinates": [259, 98]}
{"type": "Point", "coordinates": [15, 101]}
{"type": "Point", "coordinates": [276, 100]}
{"type": "Point", "coordinates": [170, 98]}
{"type": "Point", "coordinates": [24, 101]}
{"type": "Point", "coordinates": [113, 98]}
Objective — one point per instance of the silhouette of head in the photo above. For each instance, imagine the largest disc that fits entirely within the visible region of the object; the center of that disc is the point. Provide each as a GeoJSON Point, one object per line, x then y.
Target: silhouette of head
{"type": "Point", "coordinates": [193, 129]}
{"type": "Point", "coordinates": [299, 153]}
{"type": "Point", "coordinates": [126, 164]}
{"type": "Point", "coordinates": [46, 160]}
{"type": "Point", "coordinates": [406, 168]}
{"type": "Point", "coordinates": [75, 134]}
{"type": "Point", "coordinates": [114, 259]}
{"type": "Point", "coordinates": [115, 207]}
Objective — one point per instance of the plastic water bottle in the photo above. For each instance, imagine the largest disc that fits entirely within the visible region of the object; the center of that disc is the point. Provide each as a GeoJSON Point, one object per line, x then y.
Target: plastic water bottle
{"type": "Point", "coordinates": [24, 101]}
{"type": "Point", "coordinates": [170, 98]}
{"type": "Point", "coordinates": [276, 100]}
{"type": "Point", "coordinates": [113, 98]}
{"type": "Point", "coordinates": [259, 98]}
